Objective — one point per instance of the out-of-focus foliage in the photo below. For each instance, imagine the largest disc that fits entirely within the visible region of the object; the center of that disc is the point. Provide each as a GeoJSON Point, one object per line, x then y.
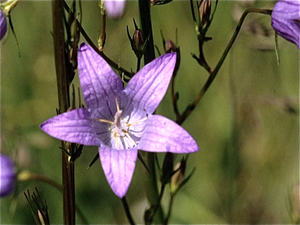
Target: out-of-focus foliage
{"type": "Point", "coordinates": [246, 125]}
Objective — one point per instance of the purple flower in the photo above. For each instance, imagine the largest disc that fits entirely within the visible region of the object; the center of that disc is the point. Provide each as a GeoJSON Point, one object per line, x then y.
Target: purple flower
{"type": "Point", "coordinates": [286, 20]}
{"type": "Point", "coordinates": [119, 120]}
{"type": "Point", "coordinates": [114, 8]}
{"type": "Point", "coordinates": [7, 176]}
{"type": "Point", "coordinates": [3, 24]}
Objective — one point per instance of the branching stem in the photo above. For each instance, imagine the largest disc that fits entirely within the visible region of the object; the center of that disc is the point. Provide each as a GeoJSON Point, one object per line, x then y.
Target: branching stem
{"type": "Point", "coordinates": [214, 72]}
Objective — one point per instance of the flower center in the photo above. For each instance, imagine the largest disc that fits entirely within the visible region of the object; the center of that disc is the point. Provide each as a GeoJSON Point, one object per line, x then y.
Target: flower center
{"type": "Point", "coordinates": [120, 128]}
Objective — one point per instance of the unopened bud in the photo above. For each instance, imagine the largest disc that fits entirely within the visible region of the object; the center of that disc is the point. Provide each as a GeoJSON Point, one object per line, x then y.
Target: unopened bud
{"type": "Point", "coordinates": [74, 28]}
{"type": "Point", "coordinates": [170, 46]}
{"type": "Point", "coordinates": [138, 40]}
{"type": "Point", "coordinates": [178, 177]}
{"type": "Point", "coordinates": [41, 218]}
{"type": "Point", "coordinates": [38, 207]}
{"type": "Point", "coordinates": [204, 10]}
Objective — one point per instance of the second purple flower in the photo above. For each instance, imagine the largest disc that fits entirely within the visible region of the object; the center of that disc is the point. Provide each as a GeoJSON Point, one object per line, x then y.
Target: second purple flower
{"type": "Point", "coordinates": [286, 20]}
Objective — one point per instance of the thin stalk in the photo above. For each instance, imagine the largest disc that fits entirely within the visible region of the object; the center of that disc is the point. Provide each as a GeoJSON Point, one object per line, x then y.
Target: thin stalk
{"type": "Point", "coordinates": [214, 73]}
{"type": "Point", "coordinates": [64, 103]}
{"type": "Point", "coordinates": [127, 211]}
{"type": "Point", "coordinates": [169, 210]}
{"type": "Point", "coordinates": [158, 204]}
{"type": "Point", "coordinates": [26, 175]}
{"type": "Point", "coordinates": [149, 55]}
{"type": "Point", "coordinates": [202, 57]}
{"type": "Point", "coordinates": [138, 64]}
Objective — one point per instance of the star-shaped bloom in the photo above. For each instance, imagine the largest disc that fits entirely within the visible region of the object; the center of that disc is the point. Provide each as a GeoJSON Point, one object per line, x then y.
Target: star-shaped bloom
{"type": "Point", "coordinates": [114, 8]}
{"type": "Point", "coordinates": [3, 24]}
{"type": "Point", "coordinates": [119, 120]}
{"type": "Point", "coordinates": [286, 20]}
{"type": "Point", "coordinates": [7, 176]}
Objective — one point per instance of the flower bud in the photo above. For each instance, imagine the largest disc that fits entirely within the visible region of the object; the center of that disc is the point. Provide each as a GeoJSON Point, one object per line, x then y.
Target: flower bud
{"type": "Point", "coordinates": [114, 8]}
{"type": "Point", "coordinates": [38, 207]}
{"type": "Point", "coordinates": [7, 176]}
{"type": "Point", "coordinates": [170, 46]}
{"type": "Point", "coordinates": [138, 40]}
{"type": "Point", "coordinates": [178, 177]}
{"type": "Point", "coordinates": [285, 20]}
{"type": "Point", "coordinates": [204, 10]}
{"type": "Point", "coordinates": [3, 24]}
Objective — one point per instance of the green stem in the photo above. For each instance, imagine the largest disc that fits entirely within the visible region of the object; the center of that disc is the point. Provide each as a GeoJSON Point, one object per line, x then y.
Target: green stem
{"type": "Point", "coordinates": [169, 210]}
{"type": "Point", "coordinates": [214, 73]}
{"type": "Point", "coordinates": [149, 55]}
{"type": "Point", "coordinates": [144, 8]}
{"type": "Point", "coordinates": [158, 204]}
{"type": "Point", "coordinates": [127, 211]}
{"type": "Point", "coordinates": [138, 64]}
{"type": "Point", "coordinates": [64, 103]}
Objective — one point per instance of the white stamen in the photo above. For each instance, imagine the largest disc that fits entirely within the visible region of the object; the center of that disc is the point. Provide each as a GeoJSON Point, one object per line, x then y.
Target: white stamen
{"type": "Point", "coordinates": [136, 122]}
{"type": "Point", "coordinates": [120, 129]}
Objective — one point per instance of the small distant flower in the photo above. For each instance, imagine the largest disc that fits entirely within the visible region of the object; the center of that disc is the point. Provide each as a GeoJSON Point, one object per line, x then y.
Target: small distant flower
{"type": "Point", "coordinates": [119, 120]}
{"type": "Point", "coordinates": [114, 8]}
{"type": "Point", "coordinates": [3, 24]}
{"type": "Point", "coordinates": [286, 20]}
{"type": "Point", "coordinates": [7, 176]}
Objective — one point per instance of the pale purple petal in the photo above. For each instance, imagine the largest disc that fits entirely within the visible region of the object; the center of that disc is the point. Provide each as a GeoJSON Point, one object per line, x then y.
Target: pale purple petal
{"type": "Point", "coordinates": [74, 126]}
{"type": "Point", "coordinates": [7, 176]}
{"type": "Point", "coordinates": [114, 8]}
{"type": "Point", "coordinates": [286, 20]}
{"type": "Point", "coordinates": [118, 166]}
{"type": "Point", "coordinates": [164, 135]}
{"type": "Point", "coordinates": [3, 24]}
{"type": "Point", "coordinates": [148, 87]}
{"type": "Point", "coordinates": [99, 83]}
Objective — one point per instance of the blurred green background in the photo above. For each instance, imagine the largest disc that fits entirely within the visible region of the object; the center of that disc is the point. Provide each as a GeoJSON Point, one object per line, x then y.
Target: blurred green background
{"type": "Point", "coordinates": [247, 124]}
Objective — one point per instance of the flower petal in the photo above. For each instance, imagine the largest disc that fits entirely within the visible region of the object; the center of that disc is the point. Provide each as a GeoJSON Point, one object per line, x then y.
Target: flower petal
{"type": "Point", "coordinates": [7, 175]}
{"type": "Point", "coordinates": [74, 126]}
{"type": "Point", "coordinates": [118, 166]}
{"type": "Point", "coordinates": [149, 85]}
{"type": "Point", "coordinates": [286, 20]}
{"type": "Point", "coordinates": [3, 24]}
{"type": "Point", "coordinates": [99, 83]}
{"type": "Point", "coordinates": [164, 135]}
